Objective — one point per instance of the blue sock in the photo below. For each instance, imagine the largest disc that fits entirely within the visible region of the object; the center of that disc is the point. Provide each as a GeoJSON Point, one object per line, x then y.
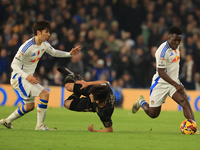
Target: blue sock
{"type": "Point", "coordinates": [21, 110]}
{"type": "Point", "coordinates": [43, 103]}
{"type": "Point", "coordinates": [142, 103]}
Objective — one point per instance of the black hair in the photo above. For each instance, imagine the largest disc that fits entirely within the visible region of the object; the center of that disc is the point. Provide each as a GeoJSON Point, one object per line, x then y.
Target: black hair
{"type": "Point", "coordinates": [175, 30]}
{"type": "Point", "coordinates": [100, 92]}
{"type": "Point", "coordinates": [41, 25]}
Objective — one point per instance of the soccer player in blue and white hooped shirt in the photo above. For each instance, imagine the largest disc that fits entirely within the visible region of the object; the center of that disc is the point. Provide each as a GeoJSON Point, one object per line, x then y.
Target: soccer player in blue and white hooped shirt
{"type": "Point", "coordinates": [165, 82]}
{"type": "Point", "coordinates": [22, 79]}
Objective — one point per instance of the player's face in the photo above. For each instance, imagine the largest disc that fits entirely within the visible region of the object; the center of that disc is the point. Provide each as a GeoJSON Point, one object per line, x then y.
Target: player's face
{"type": "Point", "coordinates": [174, 41]}
{"type": "Point", "coordinates": [44, 35]}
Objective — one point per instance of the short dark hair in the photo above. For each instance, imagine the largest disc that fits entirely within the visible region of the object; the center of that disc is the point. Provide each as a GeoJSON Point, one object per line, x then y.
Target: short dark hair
{"type": "Point", "coordinates": [41, 25]}
{"type": "Point", "coordinates": [175, 30]}
{"type": "Point", "coordinates": [100, 92]}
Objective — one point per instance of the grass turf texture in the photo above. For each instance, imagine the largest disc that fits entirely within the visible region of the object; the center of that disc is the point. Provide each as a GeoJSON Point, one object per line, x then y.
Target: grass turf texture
{"type": "Point", "coordinates": [131, 131]}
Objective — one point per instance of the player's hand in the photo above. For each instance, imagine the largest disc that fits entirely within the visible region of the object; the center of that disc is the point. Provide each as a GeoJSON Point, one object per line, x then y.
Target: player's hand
{"type": "Point", "coordinates": [75, 50]}
{"type": "Point", "coordinates": [32, 79]}
{"type": "Point", "coordinates": [83, 83]}
{"type": "Point", "coordinates": [180, 88]}
{"type": "Point", "coordinates": [91, 128]}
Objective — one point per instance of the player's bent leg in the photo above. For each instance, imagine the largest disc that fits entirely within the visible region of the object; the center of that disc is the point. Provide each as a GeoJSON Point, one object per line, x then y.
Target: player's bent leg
{"type": "Point", "coordinates": [72, 100]}
{"type": "Point", "coordinates": [69, 87]}
{"type": "Point", "coordinates": [69, 75]}
{"type": "Point", "coordinates": [181, 99]}
{"type": "Point", "coordinates": [19, 112]}
{"type": "Point", "coordinates": [152, 112]}
{"type": "Point", "coordinates": [44, 94]}
{"type": "Point", "coordinates": [67, 103]}
{"type": "Point", "coordinates": [136, 106]}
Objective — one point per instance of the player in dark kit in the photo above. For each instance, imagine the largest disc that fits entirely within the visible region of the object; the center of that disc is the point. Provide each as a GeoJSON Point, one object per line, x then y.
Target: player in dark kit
{"type": "Point", "coordinates": [98, 97]}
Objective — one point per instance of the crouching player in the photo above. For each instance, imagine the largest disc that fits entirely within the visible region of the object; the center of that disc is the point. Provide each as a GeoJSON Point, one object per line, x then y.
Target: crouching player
{"type": "Point", "coordinates": [98, 97]}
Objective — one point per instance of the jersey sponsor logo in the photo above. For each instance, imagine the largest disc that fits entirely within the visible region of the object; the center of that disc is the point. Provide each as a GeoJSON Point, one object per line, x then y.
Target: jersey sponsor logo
{"type": "Point", "coordinates": [35, 60]}
{"type": "Point", "coordinates": [176, 59]}
{"type": "Point", "coordinates": [42, 50]}
{"type": "Point", "coordinates": [33, 54]}
{"type": "Point", "coordinates": [171, 54]}
{"type": "Point", "coordinates": [38, 53]}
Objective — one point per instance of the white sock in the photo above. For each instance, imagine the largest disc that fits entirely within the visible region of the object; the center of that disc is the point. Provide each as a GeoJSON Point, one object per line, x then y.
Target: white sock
{"type": "Point", "coordinates": [15, 115]}
{"type": "Point", "coordinates": [41, 114]}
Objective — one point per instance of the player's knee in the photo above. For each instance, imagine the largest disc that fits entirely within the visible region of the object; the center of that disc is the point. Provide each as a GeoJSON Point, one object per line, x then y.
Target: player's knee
{"type": "Point", "coordinates": [69, 86]}
{"type": "Point", "coordinates": [44, 94]}
{"type": "Point", "coordinates": [154, 115]}
{"type": "Point", "coordinates": [67, 104]}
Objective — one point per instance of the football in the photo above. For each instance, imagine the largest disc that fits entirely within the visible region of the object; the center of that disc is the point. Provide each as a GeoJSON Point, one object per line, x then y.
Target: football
{"type": "Point", "coordinates": [188, 126]}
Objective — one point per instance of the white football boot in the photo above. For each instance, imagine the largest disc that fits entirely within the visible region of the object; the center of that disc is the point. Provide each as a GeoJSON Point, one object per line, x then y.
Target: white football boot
{"type": "Point", "coordinates": [7, 125]}
{"type": "Point", "coordinates": [43, 128]}
{"type": "Point", "coordinates": [136, 106]}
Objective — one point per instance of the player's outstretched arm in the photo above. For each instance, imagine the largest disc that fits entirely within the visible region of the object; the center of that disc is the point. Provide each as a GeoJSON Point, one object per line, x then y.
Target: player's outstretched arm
{"type": "Point", "coordinates": [86, 84]}
{"type": "Point", "coordinates": [108, 129]}
{"type": "Point", "coordinates": [58, 53]}
{"type": "Point", "coordinates": [75, 50]}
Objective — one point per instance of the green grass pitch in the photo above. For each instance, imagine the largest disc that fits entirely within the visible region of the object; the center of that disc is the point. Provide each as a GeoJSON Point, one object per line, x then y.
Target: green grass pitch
{"type": "Point", "coordinates": [131, 131]}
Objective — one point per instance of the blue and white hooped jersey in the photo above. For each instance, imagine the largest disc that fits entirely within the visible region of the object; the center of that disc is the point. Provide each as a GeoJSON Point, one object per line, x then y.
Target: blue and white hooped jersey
{"type": "Point", "coordinates": [169, 59]}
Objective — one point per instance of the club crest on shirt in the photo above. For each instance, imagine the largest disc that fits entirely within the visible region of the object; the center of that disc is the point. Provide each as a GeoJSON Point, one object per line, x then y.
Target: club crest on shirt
{"type": "Point", "coordinates": [42, 50]}
{"type": "Point", "coordinates": [20, 55]}
{"type": "Point", "coordinates": [152, 102]}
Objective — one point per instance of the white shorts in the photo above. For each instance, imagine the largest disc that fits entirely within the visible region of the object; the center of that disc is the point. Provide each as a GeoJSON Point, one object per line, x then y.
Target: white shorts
{"type": "Point", "coordinates": [26, 90]}
{"type": "Point", "coordinates": [159, 93]}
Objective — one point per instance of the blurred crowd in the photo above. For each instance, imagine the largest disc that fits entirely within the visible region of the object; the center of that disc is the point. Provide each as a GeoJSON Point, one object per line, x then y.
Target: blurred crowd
{"type": "Point", "coordinates": [118, 38]}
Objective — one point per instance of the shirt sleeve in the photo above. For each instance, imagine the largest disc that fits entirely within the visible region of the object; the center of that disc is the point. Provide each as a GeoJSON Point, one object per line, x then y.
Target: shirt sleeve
{"type": "Point", "coordinates": [107, 121]}
{"type": "Point", "coordinates": [56, 53]}
{"type": "Point", "coordinates": [17, 64]}
{"type": "Point", "coordinates": [160, 61]}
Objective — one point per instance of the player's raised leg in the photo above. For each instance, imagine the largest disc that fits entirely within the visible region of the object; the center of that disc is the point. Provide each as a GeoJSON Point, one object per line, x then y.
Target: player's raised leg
{"type": "Point", "coordinates": [69, 75]}
{"type": "Point", "coordinates": [138, 103]}
{"type": "Point", "coordinates": [152, 112]}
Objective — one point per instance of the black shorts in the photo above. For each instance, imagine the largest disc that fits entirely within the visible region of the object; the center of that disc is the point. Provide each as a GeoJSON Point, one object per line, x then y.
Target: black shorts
{"type": "Point", "coordinates": [81, 103]}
